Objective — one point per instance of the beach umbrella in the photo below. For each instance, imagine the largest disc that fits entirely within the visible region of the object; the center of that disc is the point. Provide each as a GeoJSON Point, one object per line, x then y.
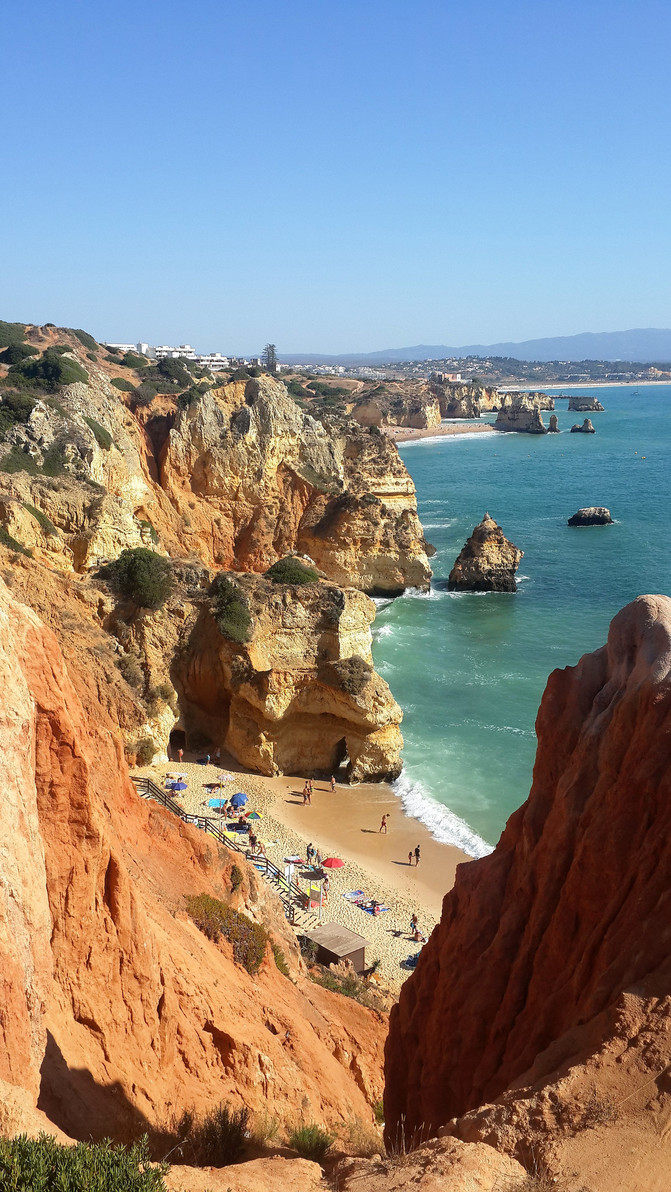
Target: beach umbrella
{"type": "Point", "coordinates": [254, 815]}
{"type": "Point", "coordinates": [239, 800]}
{"type": "Point", "coordinates": [333, 863]}
{"type": "Point", "coordinates": [216, 802]}
{"type": "Point", "coordinates": [179, 786]}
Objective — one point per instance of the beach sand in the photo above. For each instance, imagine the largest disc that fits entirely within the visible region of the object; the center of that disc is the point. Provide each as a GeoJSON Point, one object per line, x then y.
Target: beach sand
{"type": "Point", "coordinates": [344, 825]}
{"type": "Point", "coordinates": [405, 434]}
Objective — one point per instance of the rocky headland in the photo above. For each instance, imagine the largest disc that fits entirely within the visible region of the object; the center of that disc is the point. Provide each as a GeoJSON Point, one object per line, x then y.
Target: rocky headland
{"type": "Point", "coordinates": [487, 561]}
{"type": "Point", "coordinates": [594, 515]}
{"type": "Point", "coordinates": [537, 1018]}
{"type": "Point", "coordinates": [521, 412]}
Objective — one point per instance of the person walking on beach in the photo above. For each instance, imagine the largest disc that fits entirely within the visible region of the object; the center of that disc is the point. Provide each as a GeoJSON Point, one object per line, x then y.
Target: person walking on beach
{"type": "Point", "coordinates": [305, 792]}
{"type": "Point", "coordinates": [417, 855]}
{"type": "Point", "coordinates": [383, 825]}
{"type": "Point", "coordinates": [332, 785]}
{"type": "Point", "coordinates": [180, 755]}
{"type": "Point", "coordinates": [318, 859]}
{"type": "Point", "coordinates": [309, 854]}
{"type": "Point", "coordinates": [309, 789]}
{"type": "Point", "coordinates": [410, 858]}
{"type": "Point", "coordinates": [414, 923]}
{"type": "Point", "coordinates": [326, 886]}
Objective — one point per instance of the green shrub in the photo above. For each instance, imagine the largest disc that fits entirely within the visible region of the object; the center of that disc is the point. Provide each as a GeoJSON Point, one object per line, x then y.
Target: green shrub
{"type": "Point", "coordinates": [311, 1142]}
{"type": "Point", "coordinates": [191, 395]}
{"type": "Point", "coordinates": [56, 405]}
{"type": "Point", "coordinates": [130, 669]}
{"type": "Point", "coordinates": [132, 360]}
{"type": "Point", "coordinates": [84, 338]}
{"type": "Point", "coordinates": [280, 960]}
{"type": "Point", "coordinates": [230, 610]}
{"type": "Point", "coordinates": [103, 437]}
{"type": "Point", "coordinates": [122, 384]}
{"type": "Point", "coordinates": [15, 353]}
{"type": "Point", "coordinates": [44, 1165]}
{"type": "Point", "coordinates": [323, 389]}
{"type": "Point", "coordinates": [241, 374]}
{"type": "Point", "coordinates": [12, 543]}
{"type": "Point", "coordinates": [145, 393]}
{"type": "Point", "coordinates": [49, 372]}
{"type": "Point", "coordinates": [214, 1140]}
{"type": "Point", "coordinates": [53, 462]}
{"type": "Point", "coordinates": [146, 525]}
{"type": "Point", "coordinates": [378, 1110]}
{"type": "Point", "coordinates": [237, 877]}
{"type": "Point", "coordinates": [309, 949]}
{"type": "Point", "coordinates": [140, 575]}
{"type": "Point", "coordinates": [144, 751]}
{"type": "Point", "coordinates": [45, 522]}
{"type": "Point", "coordinates": [175, 371]}
{"type": "Point", "coordinates": [215, 919]}
{"type": "Point", "coordinates": [92, 356]}
{"type": "Point", "coordinates": [15, 407]}
{"type": "Point", "coordinates": [291, 571]}
{"type": "Point", "coordinates": [17, 460]}
{"type": "Point", "coordinates": [11, 333]}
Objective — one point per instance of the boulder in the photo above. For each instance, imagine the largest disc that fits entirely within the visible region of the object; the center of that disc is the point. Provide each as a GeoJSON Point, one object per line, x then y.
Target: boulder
{"type": "Point", "coordinates": [487, 562]}
{"type": "Point", "coordinates": [553, 428]}
{"type": "Point", "coordinates": [586, 429]}
{"type": "Point", "coordinates": [595, 515]}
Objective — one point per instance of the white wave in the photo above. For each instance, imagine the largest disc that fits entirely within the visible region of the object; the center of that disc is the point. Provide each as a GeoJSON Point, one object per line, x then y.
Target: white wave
{"type": "Point", "coordinates": [442, 823]}
{"type": "Point", "coordinates": [384, 631]}
{"type": "Point", "coordinates": [381, 602]}
{"type": "Point", "coordinates": [452, 438]}
{"type": "Point", "coordinates": [439, 525]}
{"type": "Point", "coordinates": [419, 594]}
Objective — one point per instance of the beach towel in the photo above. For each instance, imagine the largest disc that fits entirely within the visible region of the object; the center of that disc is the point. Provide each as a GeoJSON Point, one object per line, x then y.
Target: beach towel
{"type": "Point", "coordinates": [354, 895]}
{"type": "Point", "coordinates": [369, 910]}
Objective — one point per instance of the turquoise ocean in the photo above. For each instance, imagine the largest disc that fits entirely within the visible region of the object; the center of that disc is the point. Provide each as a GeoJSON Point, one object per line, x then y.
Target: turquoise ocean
{"type": "Point", "coordinates": [469, 669]}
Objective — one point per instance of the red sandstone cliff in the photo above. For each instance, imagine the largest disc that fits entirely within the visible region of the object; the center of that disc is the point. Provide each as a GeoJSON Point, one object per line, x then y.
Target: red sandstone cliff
{"type": "Point", "coordinates": [114, 1009]}
{"type": "Point", "coordinates": [557, 947]}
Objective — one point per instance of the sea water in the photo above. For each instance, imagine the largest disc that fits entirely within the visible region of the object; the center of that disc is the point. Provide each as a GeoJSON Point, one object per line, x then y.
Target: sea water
{"type": "Point", "coordinates": [469, 669]}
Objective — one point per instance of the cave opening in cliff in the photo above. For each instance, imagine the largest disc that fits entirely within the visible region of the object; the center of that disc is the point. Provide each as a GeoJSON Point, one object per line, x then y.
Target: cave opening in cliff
{"type": "Point", "coordinates": [341, 760]}
{"type": "Point", "coordinates": [177, 740]}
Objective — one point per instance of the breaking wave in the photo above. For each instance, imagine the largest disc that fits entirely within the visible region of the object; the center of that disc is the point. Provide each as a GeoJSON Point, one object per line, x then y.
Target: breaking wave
{"type": "Point", "coordinates": [442, 823]}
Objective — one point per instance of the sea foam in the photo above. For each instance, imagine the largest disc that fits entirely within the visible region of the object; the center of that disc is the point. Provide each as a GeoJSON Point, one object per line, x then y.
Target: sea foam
{"type": "Point", "coordinates": [442, 823]}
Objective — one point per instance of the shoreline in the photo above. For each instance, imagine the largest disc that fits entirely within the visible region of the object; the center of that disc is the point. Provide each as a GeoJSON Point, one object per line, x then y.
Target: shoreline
{"type": "Point", "coordinates": [345, 824]}
{"type": "Point", "coordinates": [580, 385]}
{"type": "Point", "coordinates": [406, 434]}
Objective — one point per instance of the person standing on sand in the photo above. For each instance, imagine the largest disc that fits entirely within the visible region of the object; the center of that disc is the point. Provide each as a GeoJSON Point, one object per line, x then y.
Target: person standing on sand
{"type": "Point", "coordinates": [332, 785]}
{"type": "Point", "coordinates": [326, 886]}
{"type": "Point", "coordinates": [383, 825]}
{"type": "Point", "coordinates": [409, 858]}
{"type": "Point", "coordinates": [180, 755]}
{"type": "Point", "coordinates": [417, 855]}
{"type": "Point", "coordinates": [309, 790]}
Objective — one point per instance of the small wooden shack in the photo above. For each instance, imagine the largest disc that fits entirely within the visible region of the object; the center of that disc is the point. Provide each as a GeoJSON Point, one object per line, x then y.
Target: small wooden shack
{"type": "Point", "coordinates": [336, 943]}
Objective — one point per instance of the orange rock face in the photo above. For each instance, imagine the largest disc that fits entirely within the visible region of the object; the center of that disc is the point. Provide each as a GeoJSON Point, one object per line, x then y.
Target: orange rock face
{"type": "Point", "coordinates": [544, 936]}
{"type": "Point", "coordinates": [116, 1011]}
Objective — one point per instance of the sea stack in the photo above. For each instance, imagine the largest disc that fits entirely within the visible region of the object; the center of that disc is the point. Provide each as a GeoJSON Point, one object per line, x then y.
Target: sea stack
{"type": "Point", "coordinates": [586, 428]}
{"type": "Point", "coordinates": [487, 562]}
{"type": "Point", "coordinates": [594, 515]}
{"type": "Point", "coordinates": [521, 412]}
{"type": "Point", "coordinates": [581, 404]}
{"type": "Point", "coordinates": [553, 428]}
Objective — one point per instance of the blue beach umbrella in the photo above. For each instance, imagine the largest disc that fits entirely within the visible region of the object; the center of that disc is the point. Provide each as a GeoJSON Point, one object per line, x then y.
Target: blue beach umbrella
{"type": "Point", "coordinates": [216, 802]}
{"type": "Point", "coordinates": [179, 786]}
{"type": "Point", "coordinates": [239, 800]}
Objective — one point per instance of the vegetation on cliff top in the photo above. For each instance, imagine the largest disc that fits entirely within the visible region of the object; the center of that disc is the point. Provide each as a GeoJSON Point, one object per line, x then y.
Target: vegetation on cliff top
{"type": "Point", "coordinates": [291, 571]}
{"type": "Point", "coordinates": [42, 1165]}
{"type": "Point", "coordinates": [51, 371]}
{"type": "Point", "coordinates": [140, 575]}
{"type": "Point", "coordinates": [11, 333]}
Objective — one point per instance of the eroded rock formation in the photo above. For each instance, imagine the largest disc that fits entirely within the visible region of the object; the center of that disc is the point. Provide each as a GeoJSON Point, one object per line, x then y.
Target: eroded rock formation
{"type": "Point", "coordinates": [594, 515]}
{"type": "Point", "coordinates": [587, 428]}
{"type": "Point", "coordinates": [301, 694]}
{"type": "Point", "coordinates": [553, 428]}
{"type": "Point", "coordinates": [521, 412]}
{"type": "Point", "coordinates": [487, 562]}
{"type": "Point", "coordinates": [115, 1009]}
{"type": "Point", "coordinates": [582, 404]}
{"type": "Point", "coordinates": [557, 947]}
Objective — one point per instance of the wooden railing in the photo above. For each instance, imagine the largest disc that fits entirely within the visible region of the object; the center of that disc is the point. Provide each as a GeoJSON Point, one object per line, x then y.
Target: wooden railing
{"type": "Point", "coordinates": [290, 892]}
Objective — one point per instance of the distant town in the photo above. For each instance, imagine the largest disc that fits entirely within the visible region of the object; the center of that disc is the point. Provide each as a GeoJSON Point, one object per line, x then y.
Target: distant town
{"type": "Point", "coordinates": [494, 370]}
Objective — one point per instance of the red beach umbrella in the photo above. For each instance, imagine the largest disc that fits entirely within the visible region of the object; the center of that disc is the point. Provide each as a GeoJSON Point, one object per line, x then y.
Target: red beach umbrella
{"type": "Point", "coordinates": [332, 863]}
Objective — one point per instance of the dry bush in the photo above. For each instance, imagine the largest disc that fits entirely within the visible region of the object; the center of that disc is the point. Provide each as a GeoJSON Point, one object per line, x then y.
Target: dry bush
{"type": "Point", "coordinates": [360, 1139]}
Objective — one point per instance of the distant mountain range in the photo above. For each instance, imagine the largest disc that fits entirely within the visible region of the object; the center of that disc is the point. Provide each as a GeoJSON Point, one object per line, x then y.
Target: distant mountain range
{"type": "Point", "coordinates": [646, 344]}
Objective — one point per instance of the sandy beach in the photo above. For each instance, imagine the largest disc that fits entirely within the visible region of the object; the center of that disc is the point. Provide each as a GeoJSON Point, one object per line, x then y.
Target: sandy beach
{"type": "Point", "coordinates": [405, 434]}
{"type": "Point", "coordinates": [345, 825]}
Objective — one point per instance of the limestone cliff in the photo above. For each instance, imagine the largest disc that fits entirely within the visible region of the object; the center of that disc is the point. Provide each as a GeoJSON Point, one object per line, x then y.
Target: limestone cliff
{"type": "Point", "coordinates": [521, 412]}
{"type": "Point", "coordinates": [300, 695]}
{"type": "Point", "coordinates": [487, 562]}
{"type": "Point", "coordinates": [116, 1010]}
{"type": "Point", "coordinates": [462, 399]}
{"type": "Point", "coordinates": [581, 403]}
{"type": "Point", "coordinates": [398, 403]}
{"type": "Point", "coordinates": [236, 475]}
{"type": "Point", "coordinates": [550, 969]}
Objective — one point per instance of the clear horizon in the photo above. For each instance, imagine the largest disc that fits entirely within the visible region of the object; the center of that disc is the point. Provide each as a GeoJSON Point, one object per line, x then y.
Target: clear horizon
{"type": "Point", "coordinates": [336, 180]}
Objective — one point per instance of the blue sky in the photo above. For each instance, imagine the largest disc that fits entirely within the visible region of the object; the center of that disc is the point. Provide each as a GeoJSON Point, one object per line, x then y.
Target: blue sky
{"type": "Point", "coordinates": [336, 177]}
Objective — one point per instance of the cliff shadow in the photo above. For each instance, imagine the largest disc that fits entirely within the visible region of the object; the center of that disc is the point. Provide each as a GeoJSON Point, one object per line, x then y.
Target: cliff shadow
{"type": "Point", "coordinates": [82, 1107]}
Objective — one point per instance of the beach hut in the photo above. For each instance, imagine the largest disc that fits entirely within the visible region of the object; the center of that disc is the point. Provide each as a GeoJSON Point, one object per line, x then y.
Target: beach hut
{"type": "Point", "coordinates": [335, 943]}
